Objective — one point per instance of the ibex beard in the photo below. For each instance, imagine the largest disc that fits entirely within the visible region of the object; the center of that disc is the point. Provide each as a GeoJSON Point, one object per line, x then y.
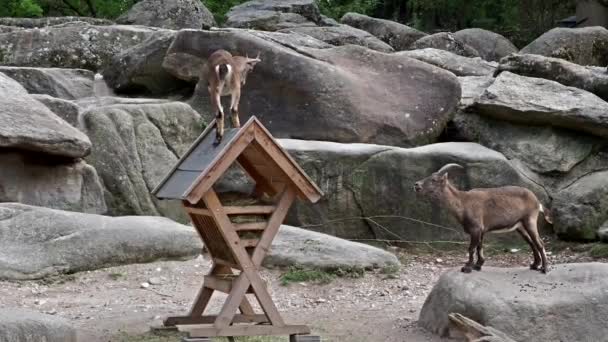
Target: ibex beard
{"type": "Point", "coordinates": [226, 75]}
{"type": "Point", "coordinates": [489, 210]}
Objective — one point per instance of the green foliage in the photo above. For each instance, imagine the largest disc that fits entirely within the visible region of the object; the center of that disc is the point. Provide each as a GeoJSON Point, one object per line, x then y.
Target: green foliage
{"type": "Point", "coordinates": [599, 250]}
{"type": "Point", "coordinates": [219, 8]}
{"type": "Point", "coordinates": [21, 8]}
{"type": "Point", "coordinates": [337, 8]}
{"type": "Point", "coordinates": [296, 274]}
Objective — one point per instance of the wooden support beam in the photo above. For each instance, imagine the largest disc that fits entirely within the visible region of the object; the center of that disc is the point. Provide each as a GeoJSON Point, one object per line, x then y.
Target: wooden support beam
{"type": "Point", "coordinates": [239, 318]}
{"type": "Point", "coordinates": [239, 227]}
{"type": "Point", "coordinates": [236, 210]}
{"type": "Point", "coordinates": [244, 330]}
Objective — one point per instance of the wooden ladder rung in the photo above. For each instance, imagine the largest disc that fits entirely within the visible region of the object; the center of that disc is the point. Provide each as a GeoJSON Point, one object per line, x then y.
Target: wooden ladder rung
{"type": "Point", "coordinates": [250, 226]}
{"type": "Point", "coordinates": [247, 243]}
{"type": "Point", "coordinates": [251, 209]}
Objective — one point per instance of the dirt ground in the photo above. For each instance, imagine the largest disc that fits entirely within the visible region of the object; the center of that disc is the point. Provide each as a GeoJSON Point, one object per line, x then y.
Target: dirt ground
{"type": "Point", "coordinates": [111, 304]}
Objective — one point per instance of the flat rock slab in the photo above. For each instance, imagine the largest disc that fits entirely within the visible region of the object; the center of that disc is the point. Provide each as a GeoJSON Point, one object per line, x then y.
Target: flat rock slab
{"type": "Point", "coordinates": [29, 125]}
{"type": "Point", "coordinates": [343, 35]}
{"type": "Point", "coordinates": [272, 15]}
{"type": "Point", "coordinates": [169, 14]}
{"type": "Point", "coordinates": [21, 325]}
{"type": "Point", "coordinates": [397, 35]}
{"type": "Point", "coordinates": [69, 84]}
{"type": "Point", "coordinates": [568, 304]}
{"type": "Point", "coordinates": [459, 65]}
{"type": "Point", "coordinates": [296, 246]}
{"type": "Point", "coordinates": [445, 41]}
{"type": "Point", "coordinates": [36, 242]}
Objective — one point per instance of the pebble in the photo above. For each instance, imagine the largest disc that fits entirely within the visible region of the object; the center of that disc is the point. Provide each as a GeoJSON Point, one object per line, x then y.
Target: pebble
{"type": "Point", "coordinates": [155, 281]}
{"type": "Point", "coordinates": [144, 285]}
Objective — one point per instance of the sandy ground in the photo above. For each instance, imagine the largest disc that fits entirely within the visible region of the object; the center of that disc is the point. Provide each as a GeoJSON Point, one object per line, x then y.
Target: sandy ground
{"type": "Point", "coordinates": [378, 307]}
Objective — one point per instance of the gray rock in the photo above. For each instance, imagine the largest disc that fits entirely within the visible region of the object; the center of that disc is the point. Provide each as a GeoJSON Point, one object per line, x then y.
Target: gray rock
{"type": "Point", "coordinates": [472, 88]}
{"type": "Point", "coordinates": [399, 36]}
{"type": "Point", "coordinates": [4, 28]}
{"type": "Point", "coordinates": [134, 147]}
{"type": "Point", "coordinates": [490, 46]}
{"type": "Point", "coordinates": [74, 46]}
{"type": "Point", "coordinates": [67, 84]}
{"type": "Point", "coordinates": [36, 180]}
{"type": "Point", "coordinates": [581, 208]}
{"type": "Point", "coordinates": [515, 299]}
{"type": "Point", "coordinates": [602, 233]}
{"type": "Point", "coordinates": [584, 46]}
{"type": "Point", "coordinates": [65, 109]}
{"type": "Point", "coordinates": [459, 65]}
{"type": "Point", "coordinates": [296, 246]}
{"type": "Point", "coordinates": [324, 94]}
{"type": "Point", "coordinates": [445, 41]}
{"type": "Point", "coordinates": [376, 182]}
{"type": "Point", "coordinates": [535, 101]}
{"type": "Point", "coordinates": [39, 242]}
{"type": "Point", "coordinates": [139, 68]}
{"type": "Point", "coordinates": [342, 35]}
{"type": "Point", "coordinates": [18, 324]}
{"type": "Point", "coordinates": [169, 14]}
{"type": "Point", "coordinates": [592, 79]}
{"type": "Point", "coordinates": [327, 21]}
{"type": "Point", "coordinates": [273, 15]}
{"type": "Point", "coordinates": [50, 21]}
{"type": "Point", "coordinates": [543, 149]}
{"type": "Point", "coordinates": [29, 125]}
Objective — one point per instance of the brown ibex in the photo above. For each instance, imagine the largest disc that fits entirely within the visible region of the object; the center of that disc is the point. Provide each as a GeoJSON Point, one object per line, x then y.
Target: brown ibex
{"type": "Point", "coordinates": [226, 74]}
{"type": "Point", "coordinates": [480, 211]}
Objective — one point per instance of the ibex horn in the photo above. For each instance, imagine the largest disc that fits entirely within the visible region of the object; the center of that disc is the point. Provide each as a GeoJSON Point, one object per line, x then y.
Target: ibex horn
{"type": "Point", "coordinates": [449, 167]}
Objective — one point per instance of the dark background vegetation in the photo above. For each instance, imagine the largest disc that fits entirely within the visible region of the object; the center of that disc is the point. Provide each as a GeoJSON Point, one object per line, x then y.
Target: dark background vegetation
{"type": "Point", "coordinates": [519, 20]}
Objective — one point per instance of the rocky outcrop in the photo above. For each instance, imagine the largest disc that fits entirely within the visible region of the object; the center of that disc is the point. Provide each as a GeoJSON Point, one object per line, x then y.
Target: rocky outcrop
{"type": "Point", "coordinates": [34, 179]}
{"type": "Point", "coordinates": [399, 36]}
{"type": "Point", "coordinates": [38, 242]}
{"type": "Point", "coordinates": [342, 35]}
{"type": "Point", "coordinates": [169, 14]}
{"type": "Point", "coordinates": [584, 46]}
{"type": "Point", "coordinates": [445, 41]}
{"type": "Point", "coordinates": [581, 208]}
{"type": "Point", "coordinates": [74, 46]}
{"type": "Point", "coordinates": [573, 296]}
{"type": "Point", "coordinates": [299, 247]}
{"type": "Point", "coordinates": [592, 79]}
{"type": "Point", "coordinates": [134, 146]}
{"type": "Point", "coordinates": [139, 69]}
{"type": "Point", "coordinates": [490, 46]}
{"type": "Point", "coordinates": [376, 182]}
{"type": "Point", "coordinates": [18, 324]}
{"type": "Point", "coordinates": [66, 84]}
{"type": "Point", "coordinates": [65, 109]}
{"type": "Point", "coordinates": [325, 94]}
{"type": "Point", "coordinates": [472, 88]}
{"type": "Point", "coordinates": [273, 15]}
{"type": "Point", "coordinates": [27, 124]}
{"type": "Point", "coordinates": [29, 23]}
{"type": "Point", "coordinates": [459, 65]}
{"type": "Point", "coordinates": [534, 101]}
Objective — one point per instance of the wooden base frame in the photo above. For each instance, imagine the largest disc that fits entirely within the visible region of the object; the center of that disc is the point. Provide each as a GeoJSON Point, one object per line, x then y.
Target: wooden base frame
{"type": "Point", "coordinates": [220, 235]}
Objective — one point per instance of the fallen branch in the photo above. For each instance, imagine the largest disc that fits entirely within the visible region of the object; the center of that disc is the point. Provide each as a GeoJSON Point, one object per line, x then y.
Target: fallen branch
{"type": "Point", "coordinates": [475, 332]}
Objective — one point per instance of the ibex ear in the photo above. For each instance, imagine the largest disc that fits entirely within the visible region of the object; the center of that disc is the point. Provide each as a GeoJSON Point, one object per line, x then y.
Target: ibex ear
{"type": "Point", "coordinates": [444, 178]}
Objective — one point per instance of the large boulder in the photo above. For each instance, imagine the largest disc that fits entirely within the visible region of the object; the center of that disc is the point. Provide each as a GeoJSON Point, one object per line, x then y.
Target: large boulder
{"type": "Point", "coordinates": [445, 41]}
{"type": "Point", "coordinates": [534, 101]}
{"type": "Point", "coordinates": [38, 242]}
{"type": "Point", "coordinates": [134, 146]}
{"type": "Point", "coordinates": [568, 304]}
{"type": "Point", "coordinates": [33, 179]}
{"type": "Point", "coordinates": [273, 15]}
{"type": "Point", "coordinates": [581, 208]}
{"type": "Point", "coordinates": [584, 46]}
{"type": "Point", "coordinates": [139, 69]}
{"type": "Point", "coordinates": [472, 88]}
{"type": "Point", "coordinates": [65, 109]}
{"type": "Point", "coordinates": [490, 46]}
{"type": "Point", "coordinates": [169, 14]}
{"type": "Point", "coordinates": [342, 35]}
{"type": "Point", "coordinates": [346, 94]}
{"type": "Point", "coordinates": [300, 247]}
{"type": "Point", "coordinates": [459, 65]}
{"type": "Point", "coordinates": [23, 325]}
{"type": "Point", "coordinates": [589, 78]}
{"type": "Point", "coordinates": [369, 188]}
{"type": "Point", "coordinates": [50, 21]}
{"type": "Point", "coordinates": [67, 84]}
{"type": "Point", "coordinates": [399, 36]}
{"type": "Point", "coordinates": [29, 125]}
{"type": "Point", "coordinates": [74, 46]}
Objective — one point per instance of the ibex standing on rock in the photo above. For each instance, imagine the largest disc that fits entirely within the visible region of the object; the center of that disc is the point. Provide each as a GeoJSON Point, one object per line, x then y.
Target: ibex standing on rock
{"type": "Point", "coordinates": [480, 211]}
{"type": "Point", "coordinates": [226, 74]}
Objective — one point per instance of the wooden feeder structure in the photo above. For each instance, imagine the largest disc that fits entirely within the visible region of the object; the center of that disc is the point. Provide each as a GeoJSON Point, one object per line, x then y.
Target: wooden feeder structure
{"type": "Point", "coordinates": [237, 231]}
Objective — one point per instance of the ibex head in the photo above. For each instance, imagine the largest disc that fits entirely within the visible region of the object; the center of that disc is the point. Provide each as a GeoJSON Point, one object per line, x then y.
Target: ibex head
{"type": "Point", "coordinates": [434, 184]}
{"type": "Point", "coordinates": [247, 66]}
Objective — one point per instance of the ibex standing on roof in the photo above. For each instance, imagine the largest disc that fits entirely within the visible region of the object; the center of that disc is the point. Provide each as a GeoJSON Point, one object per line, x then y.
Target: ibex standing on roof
{"type": "Point", "coordinates": [481, 211]}
{"type": "Point", "coordinates": [226, 74]}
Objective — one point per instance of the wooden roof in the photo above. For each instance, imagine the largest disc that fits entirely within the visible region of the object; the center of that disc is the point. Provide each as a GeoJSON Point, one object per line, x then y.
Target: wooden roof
{"type": "Point", "coordinates": [253, 147]}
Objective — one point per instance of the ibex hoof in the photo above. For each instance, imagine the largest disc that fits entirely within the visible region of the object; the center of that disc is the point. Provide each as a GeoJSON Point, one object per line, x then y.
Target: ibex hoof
{"type": "Point", "coordinates": [477, 267]}
{"type": "Point", "coordinates": [534, 267]}
{"type": "Point", "coordinates": [545, 270]}
{"type": "Point", "coordinates": [466, 269]}
{"type": "Point", "coordinates": [217, 141]}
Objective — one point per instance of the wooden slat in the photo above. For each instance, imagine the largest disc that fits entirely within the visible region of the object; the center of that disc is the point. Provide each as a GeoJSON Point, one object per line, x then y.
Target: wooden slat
{"type": "Point", "coordinates": [244, 330]}
{"type": "Point", "coordinates": [239, 227]}
{"type": "Point", "coordinates": [236, 210]}
{"type": "Point", "coordinates": [226, 263]}
{"type": "Point", "coordinates": [248, 243]}
{"type": "Point", "coordinates": [189, 320]}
